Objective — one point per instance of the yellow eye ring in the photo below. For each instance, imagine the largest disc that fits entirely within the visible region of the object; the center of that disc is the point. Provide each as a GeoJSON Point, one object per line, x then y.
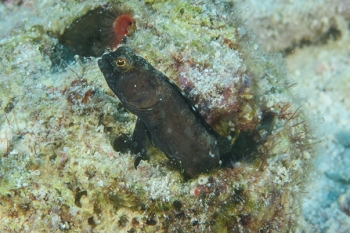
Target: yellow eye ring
{"type": "Point", "coordinates": [120, 62]}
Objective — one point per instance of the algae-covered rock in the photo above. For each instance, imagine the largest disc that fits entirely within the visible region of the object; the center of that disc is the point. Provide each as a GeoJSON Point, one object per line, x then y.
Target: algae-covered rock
{"type": "Point", "coordinates": [64, 136]}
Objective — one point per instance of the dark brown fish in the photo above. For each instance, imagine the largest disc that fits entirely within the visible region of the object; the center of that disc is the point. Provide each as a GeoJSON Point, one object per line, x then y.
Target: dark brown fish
{"type": "Point", "coordinates": [165, 115]}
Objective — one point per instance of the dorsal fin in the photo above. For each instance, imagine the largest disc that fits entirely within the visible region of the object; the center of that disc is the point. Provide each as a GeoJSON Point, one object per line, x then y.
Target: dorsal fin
{"type": "Point", "coordinates": [190, 105]}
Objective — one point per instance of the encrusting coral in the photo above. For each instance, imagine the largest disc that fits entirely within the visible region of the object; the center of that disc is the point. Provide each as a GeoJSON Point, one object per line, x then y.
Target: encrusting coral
{"type": "Point", "coordinates": [62, 163]}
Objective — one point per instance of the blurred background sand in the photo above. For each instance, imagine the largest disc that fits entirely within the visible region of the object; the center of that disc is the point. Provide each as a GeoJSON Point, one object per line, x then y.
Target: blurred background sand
{"type": "Point", "coordinates": [314, 36]}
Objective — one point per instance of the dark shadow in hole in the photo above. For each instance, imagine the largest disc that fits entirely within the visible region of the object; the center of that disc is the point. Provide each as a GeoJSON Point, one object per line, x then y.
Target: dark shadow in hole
{"type": "Point", "coordinates": [91, 222]}
{"type": "Point", "coordinates": [86, 37]}
{"type": "Point", "coordinates": [122, 143]}
{"type": "Point", "coordinates": [78, 197]}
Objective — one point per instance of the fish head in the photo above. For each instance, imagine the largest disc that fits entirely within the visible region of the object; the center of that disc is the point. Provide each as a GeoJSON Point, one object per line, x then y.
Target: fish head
{"type": "Point", "coordinates": [116, 64]}
{"type": "Point", "coordinates": [132, 79]}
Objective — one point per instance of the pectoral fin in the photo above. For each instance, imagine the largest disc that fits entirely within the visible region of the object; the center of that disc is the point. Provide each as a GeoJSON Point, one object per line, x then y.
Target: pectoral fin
{"type": "Point", "coordinates": [139, 142]}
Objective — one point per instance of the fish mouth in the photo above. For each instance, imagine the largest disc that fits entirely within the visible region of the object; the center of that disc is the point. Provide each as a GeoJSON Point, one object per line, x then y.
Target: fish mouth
{"type": "Point", "coordinates": [104, 63]}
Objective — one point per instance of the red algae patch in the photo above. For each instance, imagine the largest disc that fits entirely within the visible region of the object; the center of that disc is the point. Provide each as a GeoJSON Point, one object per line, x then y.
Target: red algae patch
{"type": "Point", "coordinates": [123, 25]}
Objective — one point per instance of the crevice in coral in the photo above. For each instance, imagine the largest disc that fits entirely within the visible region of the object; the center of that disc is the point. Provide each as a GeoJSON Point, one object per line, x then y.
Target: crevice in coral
{"type": "Point", "coordinates": [332, 34]}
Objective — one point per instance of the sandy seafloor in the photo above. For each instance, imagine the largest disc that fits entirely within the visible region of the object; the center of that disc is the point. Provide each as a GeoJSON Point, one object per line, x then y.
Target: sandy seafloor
{"type": "Point", "coordinates": [322, 73]}
{"type": "Point", "coordinates": [321, 69]}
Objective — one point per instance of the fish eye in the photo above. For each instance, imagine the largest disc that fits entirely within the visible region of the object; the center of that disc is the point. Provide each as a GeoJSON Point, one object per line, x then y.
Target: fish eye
{"type": "Point", "coordinates": [121, 63]}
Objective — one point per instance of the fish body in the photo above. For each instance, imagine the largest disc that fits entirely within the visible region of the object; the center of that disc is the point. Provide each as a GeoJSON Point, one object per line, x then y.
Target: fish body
{"type": "Point", "coordinates": [164, 114]}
